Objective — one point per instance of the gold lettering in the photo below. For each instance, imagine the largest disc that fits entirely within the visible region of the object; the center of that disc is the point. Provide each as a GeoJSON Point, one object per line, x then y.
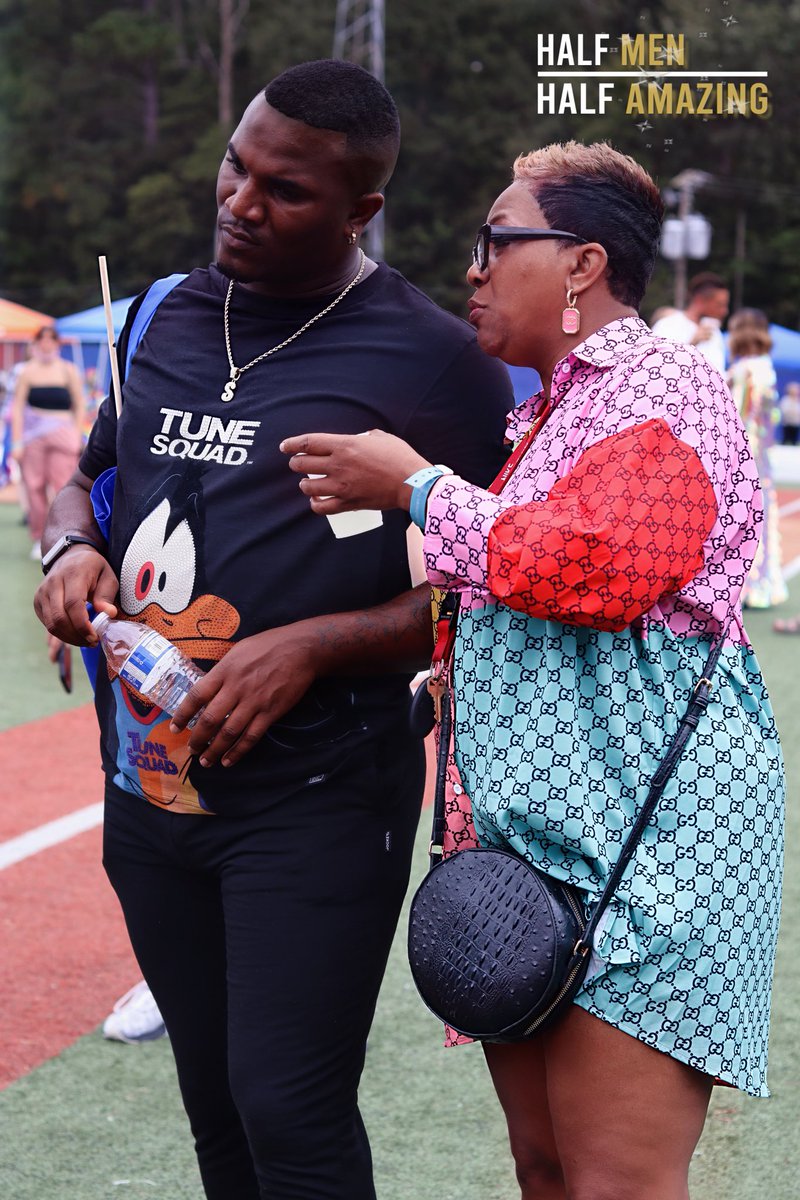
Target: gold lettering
{"type": "Point", "coordinates": [632, 50]}
{"type": "Point", "coordinates": [685, 101]}
{"type": "Point", "coordinates": [705, 90]}
{"type": "Point", "coordinates": [659, 102]}
{"type": "Point", "coordinates": [634, 103]}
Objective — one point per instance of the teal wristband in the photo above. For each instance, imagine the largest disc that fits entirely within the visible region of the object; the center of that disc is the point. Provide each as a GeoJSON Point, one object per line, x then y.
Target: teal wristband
{"type": "Point", "coordinates": [421, 483]}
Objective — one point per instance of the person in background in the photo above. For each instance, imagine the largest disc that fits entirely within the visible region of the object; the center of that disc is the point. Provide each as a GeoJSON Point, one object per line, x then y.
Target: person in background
{"type": "Point", "coordinates": [751, 379]}
{"type": "Point", "coordinates": [790, 414]}
{"type": "Point", "coordinates": [700, 323]}
{"type": "Point", "coordinates": [46, 423]}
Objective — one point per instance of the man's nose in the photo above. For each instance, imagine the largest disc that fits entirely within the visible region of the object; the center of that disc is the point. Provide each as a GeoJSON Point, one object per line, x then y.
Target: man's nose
{"type": "Point", "coordinates": [245, 203]}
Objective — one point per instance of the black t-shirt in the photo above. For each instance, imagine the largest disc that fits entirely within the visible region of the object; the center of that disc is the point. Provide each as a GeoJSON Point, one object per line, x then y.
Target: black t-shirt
{"type": "Point", "coordinates": [211, 537]}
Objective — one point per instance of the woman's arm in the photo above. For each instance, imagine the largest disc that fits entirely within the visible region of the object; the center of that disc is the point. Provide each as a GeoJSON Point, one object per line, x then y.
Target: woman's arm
{"type": "Point", "coordinates": [77, 395]}
{"type": "Point", "coordinates": [18, 413]}
{"type": "Point", "coordinates": [625, 527]}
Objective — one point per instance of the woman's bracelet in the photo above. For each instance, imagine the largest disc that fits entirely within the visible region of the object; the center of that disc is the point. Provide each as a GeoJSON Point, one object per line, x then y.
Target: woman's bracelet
{"type": "Point", "coordinates": [421, 483]}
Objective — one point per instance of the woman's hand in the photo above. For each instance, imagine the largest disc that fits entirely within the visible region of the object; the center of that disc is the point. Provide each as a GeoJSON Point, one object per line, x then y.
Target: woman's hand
{"type": "Point", "coordinates": [358, 470]}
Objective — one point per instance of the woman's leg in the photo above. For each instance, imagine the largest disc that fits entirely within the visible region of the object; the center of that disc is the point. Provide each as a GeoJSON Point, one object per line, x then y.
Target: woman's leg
{"type": "Point", "coordinates": [518, 1074]}
{"type": "Point", "coordinates": [34, 474]}
{"type": "Point", "coordinates": [626, 1118]}
{"type": "Point", "coordinates": [62, 451]}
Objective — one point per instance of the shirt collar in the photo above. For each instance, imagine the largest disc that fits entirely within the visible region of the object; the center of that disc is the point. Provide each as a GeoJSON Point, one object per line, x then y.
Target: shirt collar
{"type": "Point", "coordinates": [602, 348]}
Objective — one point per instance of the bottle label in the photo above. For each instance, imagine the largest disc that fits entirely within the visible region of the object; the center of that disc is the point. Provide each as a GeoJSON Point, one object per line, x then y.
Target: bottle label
{"type": "Point", "coordinates": [147, 662]}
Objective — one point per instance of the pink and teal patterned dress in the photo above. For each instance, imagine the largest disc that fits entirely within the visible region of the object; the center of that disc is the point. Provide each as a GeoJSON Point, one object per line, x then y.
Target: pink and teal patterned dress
{"type": "Point", "coordinates": [592, 588]}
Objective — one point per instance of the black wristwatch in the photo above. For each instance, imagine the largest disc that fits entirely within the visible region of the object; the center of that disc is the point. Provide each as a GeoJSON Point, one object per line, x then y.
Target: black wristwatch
{"type": "Point", "coordinates": [64, 542]}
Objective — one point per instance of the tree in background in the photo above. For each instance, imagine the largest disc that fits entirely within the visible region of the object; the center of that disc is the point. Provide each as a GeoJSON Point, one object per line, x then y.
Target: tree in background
{"type": "Point", "coordinates": [113, 121]}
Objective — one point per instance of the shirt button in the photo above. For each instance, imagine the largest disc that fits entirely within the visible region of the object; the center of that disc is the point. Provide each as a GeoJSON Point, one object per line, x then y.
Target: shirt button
{"type": "Point", "coordinates": [457, 788]}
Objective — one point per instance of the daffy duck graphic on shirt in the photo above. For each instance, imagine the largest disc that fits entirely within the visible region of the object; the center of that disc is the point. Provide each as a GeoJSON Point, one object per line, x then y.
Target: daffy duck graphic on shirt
{"type": "Point", "coordinates": [161, 585]}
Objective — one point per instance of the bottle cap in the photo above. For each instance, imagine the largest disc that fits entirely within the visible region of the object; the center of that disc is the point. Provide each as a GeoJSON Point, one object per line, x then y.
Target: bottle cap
{"type": "Point", "coordinates": [100, 621]}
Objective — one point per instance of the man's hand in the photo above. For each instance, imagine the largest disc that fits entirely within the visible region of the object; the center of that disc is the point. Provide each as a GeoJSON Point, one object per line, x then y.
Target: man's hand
{"type": "Point", "coordinates": [78, 577]}
{"type": "Point", "coordinates": [254, 685]}
{"type": "Point", "coordinates": [265, 675]}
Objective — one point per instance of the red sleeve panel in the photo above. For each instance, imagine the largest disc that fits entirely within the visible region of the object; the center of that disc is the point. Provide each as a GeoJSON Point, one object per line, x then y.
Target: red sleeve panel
{"type": "Point", "coordinates": [624, 528]}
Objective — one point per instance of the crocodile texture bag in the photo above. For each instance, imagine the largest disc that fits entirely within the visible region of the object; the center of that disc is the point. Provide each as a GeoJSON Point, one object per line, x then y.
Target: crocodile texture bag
{"type": "Point", "coordinates": [494, 945]}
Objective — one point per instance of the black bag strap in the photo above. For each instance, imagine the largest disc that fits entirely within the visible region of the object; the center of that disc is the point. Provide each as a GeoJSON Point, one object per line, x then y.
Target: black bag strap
{"type": "Point", "coordinates": [698, 703]}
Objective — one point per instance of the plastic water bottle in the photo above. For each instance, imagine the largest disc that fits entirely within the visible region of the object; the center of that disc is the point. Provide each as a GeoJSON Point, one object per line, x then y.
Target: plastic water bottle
{"type": "Point", "coordinates": [147, 661]}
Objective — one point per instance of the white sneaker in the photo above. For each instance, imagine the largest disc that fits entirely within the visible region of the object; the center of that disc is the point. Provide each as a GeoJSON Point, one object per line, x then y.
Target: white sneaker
{"type": "Point", "coordinates": [135, 1018]}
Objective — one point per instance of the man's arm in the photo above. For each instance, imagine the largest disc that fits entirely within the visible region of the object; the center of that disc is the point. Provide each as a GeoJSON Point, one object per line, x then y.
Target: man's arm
{"type": "Point", "coordinates": [265, 675]}
{"type": "Point", "coordinates": [80, 574]}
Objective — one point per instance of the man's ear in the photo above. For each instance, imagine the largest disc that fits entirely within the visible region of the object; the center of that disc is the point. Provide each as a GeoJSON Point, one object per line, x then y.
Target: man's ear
{"type": "Point", "coordinates": [364, 209]}
{"type": "Point", "coordinates": [590, 262]}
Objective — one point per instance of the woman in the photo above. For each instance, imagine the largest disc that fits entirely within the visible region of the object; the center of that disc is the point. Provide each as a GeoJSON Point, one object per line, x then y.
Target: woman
{"type": "Point", "coordinates": [592, 587]}
{"type": "Point", "coordinates": [46, 424]}
{"type": "Point", "coordinates": [751, 378]}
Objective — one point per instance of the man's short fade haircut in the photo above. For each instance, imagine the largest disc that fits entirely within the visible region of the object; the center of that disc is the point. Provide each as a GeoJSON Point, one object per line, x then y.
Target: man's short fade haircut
{"type": "Point", "coordinates": [705, 283]}
{"type": "Point", "coordinates": [341, 96]}
{"type": "Point", "coordinates": [604, 197]}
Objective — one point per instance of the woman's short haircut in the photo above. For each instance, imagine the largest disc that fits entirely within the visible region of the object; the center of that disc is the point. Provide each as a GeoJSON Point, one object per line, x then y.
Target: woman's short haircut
{"type": "Point", "coordinates": [748, 331]}
{"type": "Point", "coordinates": [341, 96]}
{"type": "Point", "coordinates": [605, 197]}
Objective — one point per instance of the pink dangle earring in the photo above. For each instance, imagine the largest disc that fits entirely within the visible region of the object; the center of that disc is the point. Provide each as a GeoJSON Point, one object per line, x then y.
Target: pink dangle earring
{"type": "Point", "coordinates": [570, 317]}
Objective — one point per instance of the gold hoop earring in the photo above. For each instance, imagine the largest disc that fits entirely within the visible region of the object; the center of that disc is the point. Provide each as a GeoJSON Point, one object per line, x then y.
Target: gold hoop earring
{"type": "Point", "coordinates": [570, 317]}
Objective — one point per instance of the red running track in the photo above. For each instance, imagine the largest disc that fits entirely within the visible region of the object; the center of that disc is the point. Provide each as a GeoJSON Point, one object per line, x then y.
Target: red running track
{"type": "Point", "coordinates": [65, 955]}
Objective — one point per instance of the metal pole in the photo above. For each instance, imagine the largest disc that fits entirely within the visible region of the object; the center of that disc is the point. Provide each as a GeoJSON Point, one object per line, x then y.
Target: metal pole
{"type": "Point", "coordinates": [739, 257]}
{"type": "Point", "coordinates": [681, 264]}
{"type": "Point", "coordinates": [359, 37]}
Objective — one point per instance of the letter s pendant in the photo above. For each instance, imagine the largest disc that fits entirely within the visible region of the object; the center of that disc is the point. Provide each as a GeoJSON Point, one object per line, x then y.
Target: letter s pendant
{"type": "Point", "coordinates": [230, 386]}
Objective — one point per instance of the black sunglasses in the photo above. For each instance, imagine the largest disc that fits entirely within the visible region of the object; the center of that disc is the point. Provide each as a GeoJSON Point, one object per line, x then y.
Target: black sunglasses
{"type": "Point", "coordinates": [511, 233]}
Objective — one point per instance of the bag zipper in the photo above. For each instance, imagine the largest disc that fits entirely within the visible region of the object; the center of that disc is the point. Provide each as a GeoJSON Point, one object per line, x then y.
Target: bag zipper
{"type": "Point", "coordinates": [572, 902]}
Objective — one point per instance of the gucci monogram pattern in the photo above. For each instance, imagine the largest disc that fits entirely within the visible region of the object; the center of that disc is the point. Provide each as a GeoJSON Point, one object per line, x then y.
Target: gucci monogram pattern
{"type": "Point", "coordinates": [563, 711]}
{"type": "Point", "coordinates": [626, 526]}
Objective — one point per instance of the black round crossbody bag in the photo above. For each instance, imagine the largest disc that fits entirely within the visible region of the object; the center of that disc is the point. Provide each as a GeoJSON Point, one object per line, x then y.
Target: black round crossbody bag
{"type": "Point", "coordinates": [498, 949]}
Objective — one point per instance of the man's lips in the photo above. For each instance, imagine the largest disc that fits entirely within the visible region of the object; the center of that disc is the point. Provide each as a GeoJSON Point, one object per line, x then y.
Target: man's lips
{"type": "Point", "coordinates": [236, 235]}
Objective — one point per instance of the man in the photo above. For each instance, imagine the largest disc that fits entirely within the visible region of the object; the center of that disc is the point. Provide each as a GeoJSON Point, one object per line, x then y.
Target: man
{"type": "Point", "coordinates": [261, 857]}
{"type": "Point", "coordinates": [700, 324]}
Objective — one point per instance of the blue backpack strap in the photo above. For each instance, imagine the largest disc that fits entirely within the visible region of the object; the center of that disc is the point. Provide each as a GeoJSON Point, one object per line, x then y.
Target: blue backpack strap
{"type": "Point", "coordinates": [155, 294]}
{"type": "Point", "coordinates": [102, 494]}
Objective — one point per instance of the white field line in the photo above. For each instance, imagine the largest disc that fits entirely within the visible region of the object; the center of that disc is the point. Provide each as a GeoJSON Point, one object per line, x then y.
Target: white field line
{"type": "Point", "coordinates": [44, 836]}
{"type": "Point", "coordinates": [54, 832]}
{"type": "Point", "coordinates": [792, 568]}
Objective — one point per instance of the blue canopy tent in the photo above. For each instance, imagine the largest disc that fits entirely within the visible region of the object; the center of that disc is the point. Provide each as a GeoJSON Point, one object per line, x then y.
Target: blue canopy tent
{"type": "Point", "coordinates": [785, 355]}
{"type": "Point", "coordinates": [86, 332]}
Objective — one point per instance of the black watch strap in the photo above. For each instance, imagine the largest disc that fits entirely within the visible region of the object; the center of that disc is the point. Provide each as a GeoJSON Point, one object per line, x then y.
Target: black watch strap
{"type": "Point", "coordinates": [64, 543]}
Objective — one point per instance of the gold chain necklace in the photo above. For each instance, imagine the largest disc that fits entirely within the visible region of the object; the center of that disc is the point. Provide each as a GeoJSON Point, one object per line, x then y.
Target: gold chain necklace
{"type": "Point", "coordinates": [237, 372]}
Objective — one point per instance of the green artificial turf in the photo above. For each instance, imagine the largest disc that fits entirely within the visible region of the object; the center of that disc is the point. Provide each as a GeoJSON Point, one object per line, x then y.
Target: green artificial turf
{"type": "Point", "coordinates": [104, 1120]}
{"type": "Point", "coordinates": [31, 688]}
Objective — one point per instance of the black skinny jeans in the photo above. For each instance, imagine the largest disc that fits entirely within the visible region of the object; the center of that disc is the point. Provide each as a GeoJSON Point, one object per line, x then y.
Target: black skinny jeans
{"type": "Point", "coordinates": [264, 939]}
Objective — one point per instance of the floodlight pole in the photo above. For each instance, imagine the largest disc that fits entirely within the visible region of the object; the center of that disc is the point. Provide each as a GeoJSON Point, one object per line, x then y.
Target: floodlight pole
{"type": "Point", "coordinates": [359, 37]}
